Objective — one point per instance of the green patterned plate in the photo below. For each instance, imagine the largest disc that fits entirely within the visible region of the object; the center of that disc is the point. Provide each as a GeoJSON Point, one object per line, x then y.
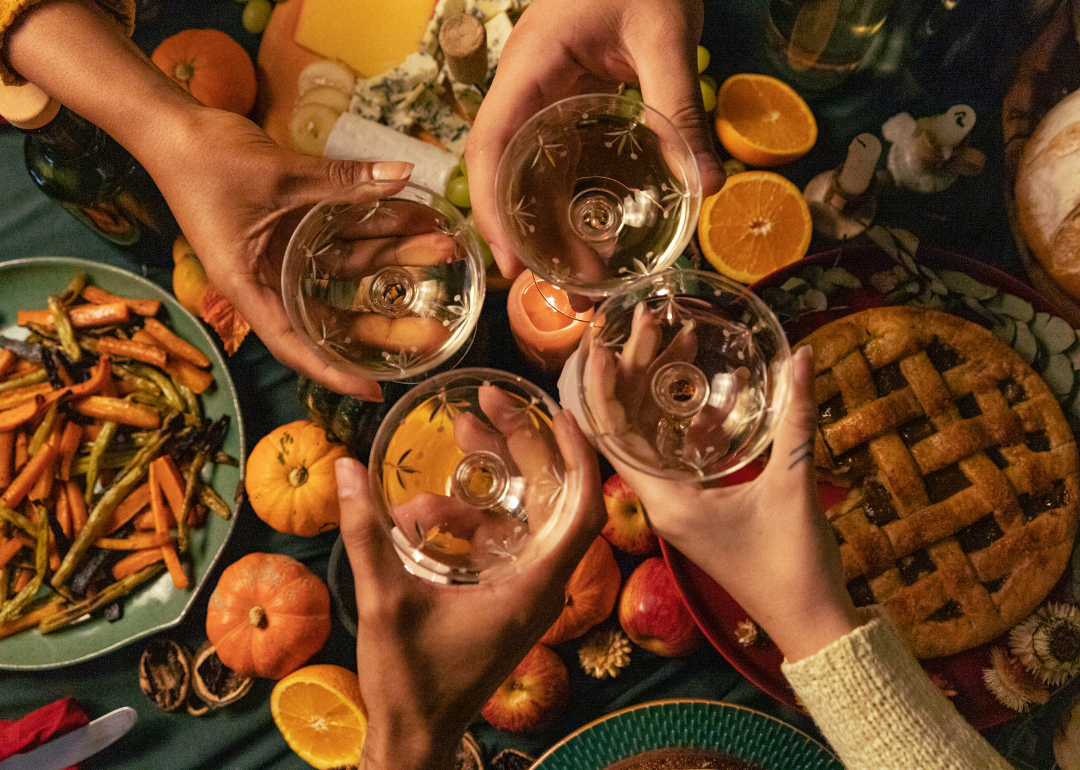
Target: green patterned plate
{"type": "Point", "coordinates": [25, 283]}
{"type": "Point", "coordinates": [734, 730]}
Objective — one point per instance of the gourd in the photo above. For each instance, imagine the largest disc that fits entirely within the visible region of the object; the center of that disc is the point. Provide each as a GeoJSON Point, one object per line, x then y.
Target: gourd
{"type": "Point", "coordinates": [591, 594]}
{"type": "Point", "coordinates": [348, 420]}
{"type": "Point", "coordinates": [268, 615]}
{"type": "Point", "coordinates": [290, 479]}
{"type": "Point", "coordinates": [210, 65]}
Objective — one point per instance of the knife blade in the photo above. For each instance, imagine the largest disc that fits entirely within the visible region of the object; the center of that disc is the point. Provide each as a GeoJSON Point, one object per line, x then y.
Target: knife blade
{"type": "Point", "coordinates": [75, 746]}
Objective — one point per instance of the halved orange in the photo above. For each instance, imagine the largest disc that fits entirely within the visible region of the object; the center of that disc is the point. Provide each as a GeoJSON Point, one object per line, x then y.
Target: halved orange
{"type": "Point", "coordinates": [758, 222]}
{"type": "Point", "coordinates": [321, 715]}
{"type": "Point", "coordinates": [762, 121]}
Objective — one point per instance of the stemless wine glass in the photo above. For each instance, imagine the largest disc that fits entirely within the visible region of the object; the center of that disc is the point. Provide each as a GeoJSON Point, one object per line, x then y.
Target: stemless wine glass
{"type": "Point", "coordinates": [596, 191]}
{"type": "Point", "coordinates": [468, 476]}
{"type": "Point", "coordinates": [685, 376]}
{"type": "Point", "coordinates": [385, 281]}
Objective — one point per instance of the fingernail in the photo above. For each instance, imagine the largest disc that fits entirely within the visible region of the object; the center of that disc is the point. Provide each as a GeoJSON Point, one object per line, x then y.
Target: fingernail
{"type": "Point", "coordinates": [345, 469]}
{"type": "Point", "coordinates": [391, 169]}
{"type": "Point", "coordinates": [804, 367]}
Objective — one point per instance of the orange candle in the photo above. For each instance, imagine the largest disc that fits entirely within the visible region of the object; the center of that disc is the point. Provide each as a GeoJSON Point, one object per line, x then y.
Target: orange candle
{"type": "Point", "coordinates": [545, 327]}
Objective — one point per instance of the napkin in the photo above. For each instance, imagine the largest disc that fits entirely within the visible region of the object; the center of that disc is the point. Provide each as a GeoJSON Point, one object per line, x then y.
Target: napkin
{"type": "Point", "coordinates": [39, 726]}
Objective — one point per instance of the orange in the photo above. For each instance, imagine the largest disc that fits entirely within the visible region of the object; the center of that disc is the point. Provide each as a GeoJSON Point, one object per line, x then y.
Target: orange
{"type": "Point", "coordinates": [321, 715]}
{"type": "Point", "coordinates": [762, 121]}
{"type": "Point", "coordinates": [757, 223]}
{"type": "Point", "coordinates": [189, 279]}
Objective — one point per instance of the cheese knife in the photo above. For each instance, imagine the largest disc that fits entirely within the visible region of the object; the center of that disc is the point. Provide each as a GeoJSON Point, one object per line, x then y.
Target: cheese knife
{"type": "Point", "coordinates": [75, 746]}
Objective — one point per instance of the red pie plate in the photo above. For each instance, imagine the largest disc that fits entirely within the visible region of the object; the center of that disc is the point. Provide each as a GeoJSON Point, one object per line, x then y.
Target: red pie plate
{"type": "Point", "coordinates": [718, 614]}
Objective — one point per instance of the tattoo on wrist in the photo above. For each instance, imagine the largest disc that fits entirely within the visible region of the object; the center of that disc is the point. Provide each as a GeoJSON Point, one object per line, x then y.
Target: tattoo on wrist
{"type": "Point", "coordinates": [801, 453]}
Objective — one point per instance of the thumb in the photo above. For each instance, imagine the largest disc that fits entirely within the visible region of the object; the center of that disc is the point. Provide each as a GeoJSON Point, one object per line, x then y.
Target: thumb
{"type": "Point", "coordinates": [793, 446]}
{"type": "Point", "coordinates": [371, 554]}
{"type": "Point", "coordinates": [673, 89]}
{"type": "Point", "coordinates": [322, 178]}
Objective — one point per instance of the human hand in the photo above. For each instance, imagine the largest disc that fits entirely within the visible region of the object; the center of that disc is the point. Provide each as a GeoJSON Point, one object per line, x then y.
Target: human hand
{"type": "Point", "coordinates": [556, 51]}
{"type": "Point", "coordinates": [429, 656]}
{"type": "Point", "coordinates": [767, 541]}
{"type": "Point", "coordinates": [237, 196]}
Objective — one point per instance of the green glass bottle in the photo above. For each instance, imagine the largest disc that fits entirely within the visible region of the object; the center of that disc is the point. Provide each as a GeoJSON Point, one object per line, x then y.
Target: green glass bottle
{"type": "Point", "coordinates": [86, 171]}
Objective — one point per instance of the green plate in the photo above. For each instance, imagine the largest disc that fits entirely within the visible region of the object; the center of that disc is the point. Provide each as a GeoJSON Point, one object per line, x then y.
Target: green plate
{"type": "Point", "coordinates": [25, 284]}
{"type": "Point", "coordinates": [733, 730]}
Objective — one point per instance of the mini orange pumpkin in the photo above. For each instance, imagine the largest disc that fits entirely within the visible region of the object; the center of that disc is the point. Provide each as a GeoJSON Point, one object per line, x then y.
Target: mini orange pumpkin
{"type": "Point", "coordinates": [212, 66]}
{"type": "Point", "coordinates": [267, 615]}
{"type": "Point", "coordinates": [591, 594]}
{"type": "Point", "coordinates": [290, 479]}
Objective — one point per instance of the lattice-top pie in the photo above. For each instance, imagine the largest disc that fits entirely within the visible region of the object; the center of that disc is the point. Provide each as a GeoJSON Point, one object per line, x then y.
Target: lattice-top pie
{"type": "Point", "coordinates": [963, 473]}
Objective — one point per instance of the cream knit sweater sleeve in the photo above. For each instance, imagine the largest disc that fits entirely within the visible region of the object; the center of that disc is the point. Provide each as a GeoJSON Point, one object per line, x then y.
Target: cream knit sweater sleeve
{"type": "Point", "coordinates": [877, 708]}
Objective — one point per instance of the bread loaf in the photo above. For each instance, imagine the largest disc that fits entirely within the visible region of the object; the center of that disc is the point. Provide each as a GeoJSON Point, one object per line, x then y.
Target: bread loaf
{"type": "Point", "coordinates": [1048, 193]}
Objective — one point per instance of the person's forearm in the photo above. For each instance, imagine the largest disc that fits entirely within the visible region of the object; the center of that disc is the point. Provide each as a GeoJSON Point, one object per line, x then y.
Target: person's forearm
{"type": "Point", "coordinates": [75, 52]}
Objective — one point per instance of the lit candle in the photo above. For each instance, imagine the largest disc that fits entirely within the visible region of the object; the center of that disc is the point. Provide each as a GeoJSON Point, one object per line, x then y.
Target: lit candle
{"type": "Point", "coordinates": [545, 327]}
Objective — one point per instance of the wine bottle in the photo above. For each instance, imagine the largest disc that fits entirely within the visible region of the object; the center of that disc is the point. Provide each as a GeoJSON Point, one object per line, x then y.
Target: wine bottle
{"type": "Point", "coordinates": [95, 179]}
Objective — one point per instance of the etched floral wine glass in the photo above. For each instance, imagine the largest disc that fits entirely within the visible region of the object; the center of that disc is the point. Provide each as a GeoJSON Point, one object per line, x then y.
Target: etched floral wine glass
{"type": "Point", "coordinates": [469, 478]}
{"type": "Point", "coordinates": [597, 191]}
{"type": "Point", "coordinates": [685, 377]}
{"type": "Point", "coordinates": [385, 281]}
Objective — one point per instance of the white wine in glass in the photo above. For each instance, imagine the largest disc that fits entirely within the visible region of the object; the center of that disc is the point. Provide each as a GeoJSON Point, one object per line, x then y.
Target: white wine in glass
{"type": "Point", "coordinates": [468, 476]}
{"type": "Point", "coordinates": [685, 376]}
{"type": "Point", "coordinates": [597, 191]}
{"type": "Point", "coordinates": [385, 281]}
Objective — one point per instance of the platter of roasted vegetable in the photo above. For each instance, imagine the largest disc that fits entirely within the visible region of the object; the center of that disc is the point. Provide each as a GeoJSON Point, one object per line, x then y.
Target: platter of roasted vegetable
{"type": "Point", "coordinates": [121, 460]}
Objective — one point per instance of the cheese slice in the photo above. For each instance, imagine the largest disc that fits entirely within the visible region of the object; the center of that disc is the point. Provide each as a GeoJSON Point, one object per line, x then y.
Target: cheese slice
{"type": "Point", "coordinates": [371, 36]}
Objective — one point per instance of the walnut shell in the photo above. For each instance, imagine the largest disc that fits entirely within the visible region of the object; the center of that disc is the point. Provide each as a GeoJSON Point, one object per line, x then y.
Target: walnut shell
{"type": "Point", "coordinates": [217, 684]}
{"type": "Point", "coordinates": [165, 673]}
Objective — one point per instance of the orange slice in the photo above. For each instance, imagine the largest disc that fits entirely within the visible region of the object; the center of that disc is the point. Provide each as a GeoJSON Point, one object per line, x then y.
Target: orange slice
{"type": "Point", "coordinates": [762, 121]}
{"type": "Point", "coordinates": [757, 223]}
{"type": "Point", "coordinates": [321, 715]}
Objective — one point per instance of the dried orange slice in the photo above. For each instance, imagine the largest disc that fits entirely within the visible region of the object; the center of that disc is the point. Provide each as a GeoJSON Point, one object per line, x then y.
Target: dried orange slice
{"type": "Point", "coordinates": [321, 715]}
{"type": "Point", "coordinates": [757, 223]}
{"type": "Point", "coordinates": [762, 121]}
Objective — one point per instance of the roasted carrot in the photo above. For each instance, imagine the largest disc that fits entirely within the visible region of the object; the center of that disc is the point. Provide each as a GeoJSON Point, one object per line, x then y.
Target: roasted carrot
{"type": "Point", "coordinates": [140, 351]}
{"type": "Point", "coordinates": [172, 483]}
{"type": "Point", "coordinates": [135, 542]}
{"type": "Point", "coordinates": [134, 562]}
{"type": "Point", "coordinates": [17, 415]}
{"type": "Point", "coordinates": [144, 520]}
{"type": "Point", "coordinates": [101, 376]}
{"type": "Point", "coordinates": [8, 360]}
{"type": "Point", "coordinates": [12, 398]}
{"type": "Point", "coordinates": [7, 457]}
{"type": "Point", "coordinates": [8, 548]}
{"type": "Point", "coordinates": [117, 410]}
{"type": "Point", "coordinates": [99, 296]}
{"type": "Point", "coordinates": [180, 348]}
{"type": "Point", "coordinates": [77, 506]}
{"type": "Point", "coordinates": [82, 316]}
{"type": "Point", "coordinates": [22, 441]}
{"type": "Point", "coordinates": [30, 619]}
{"type": "Point", "coordinates": [187, 374]}
{"type": "Point", "coordinates": [69, 446]}
{"type": "Point", "coordinates": [157, 505]}
{"type": "Point", "coordinates": [136, 500]}
{"type": "Point", "coordinates": [62, 512]}
{"type": "Point", "coordinates": [29, 474]}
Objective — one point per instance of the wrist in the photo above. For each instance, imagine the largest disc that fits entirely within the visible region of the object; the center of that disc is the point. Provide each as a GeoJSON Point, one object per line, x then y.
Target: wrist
{"type": "Point", "coordinates": [393, 745]}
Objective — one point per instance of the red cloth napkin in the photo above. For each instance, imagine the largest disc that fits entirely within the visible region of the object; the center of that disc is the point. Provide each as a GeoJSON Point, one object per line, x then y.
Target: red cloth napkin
{"type": "Point", "coordinates": [39, 726]}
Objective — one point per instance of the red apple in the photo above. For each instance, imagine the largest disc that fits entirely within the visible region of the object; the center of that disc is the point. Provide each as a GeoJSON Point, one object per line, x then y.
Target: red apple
{"type": "Point", "coordinates": [652, 612]}
{"type": "Point", "coordinates": [532, 695]}
{"type": "Point", "coordinates": [627, 528]}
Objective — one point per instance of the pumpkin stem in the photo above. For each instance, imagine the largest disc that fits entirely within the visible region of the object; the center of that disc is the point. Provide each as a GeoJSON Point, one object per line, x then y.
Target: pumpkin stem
{"type": "Point", "coordinates": [298, 476]}
{"type": "Point", "coordinates": [183, 72]}
{"type": "Point", "coordinates": [257, 616]}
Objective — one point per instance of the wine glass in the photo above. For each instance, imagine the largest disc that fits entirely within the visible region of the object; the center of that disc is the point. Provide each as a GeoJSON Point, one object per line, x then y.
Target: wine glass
{"type": "Point", "coordinates": [468, 477]}
{"type": "Point", "coordinates": [385, 281]}
{"type": "Point", "coordinates": [684, 377]}
{"type": "Point", "coordinates": [597, 191]}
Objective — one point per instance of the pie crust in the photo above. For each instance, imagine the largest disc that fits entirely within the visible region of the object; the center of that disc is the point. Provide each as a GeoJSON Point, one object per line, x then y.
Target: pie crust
{"type": "Point", "coordinates": [963, 473]}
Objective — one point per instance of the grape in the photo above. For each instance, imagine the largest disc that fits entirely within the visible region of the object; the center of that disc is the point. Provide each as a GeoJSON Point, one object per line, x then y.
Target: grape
{"type": "Point", "coordinates": [457, 190]}
{"type": "Point", "coordinates": [708, 96]}
{"type": "Point", "coordinates": [462, 168]}
{"type": "Point", "coordinates": [632, 94]}
{"type": "Point", "coordinates": [702, 58]}
{"type": "Point", "coordinates": [256, 15]}
{"type": "Point", "coordinates": [708, 79]}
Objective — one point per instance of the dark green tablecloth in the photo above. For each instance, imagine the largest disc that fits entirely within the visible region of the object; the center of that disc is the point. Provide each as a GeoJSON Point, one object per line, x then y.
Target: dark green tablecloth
{"type": "Point", "coordinates": [968, 218]}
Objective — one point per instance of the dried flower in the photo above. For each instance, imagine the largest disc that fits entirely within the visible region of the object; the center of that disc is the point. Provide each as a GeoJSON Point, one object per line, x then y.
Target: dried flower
{"type": "Point", "coordinates": [746, 632]}
{"type": "Point", "coordinates": [1048, 643]}
{"type": "Point", "coordinates": [1011, 683]}
{"type": "Point", "coordinates": [604, 651]}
